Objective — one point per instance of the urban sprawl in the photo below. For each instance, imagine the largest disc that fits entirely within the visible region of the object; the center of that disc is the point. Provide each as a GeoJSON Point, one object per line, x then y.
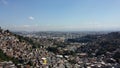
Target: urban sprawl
{"type": "Point", "coordinates": [59, 49]}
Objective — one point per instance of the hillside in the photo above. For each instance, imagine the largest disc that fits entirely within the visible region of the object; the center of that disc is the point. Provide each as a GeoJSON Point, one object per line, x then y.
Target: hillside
{"type": "Point", "coordinates": [106, 45]}
{"type": "Point", "coordinates": [91, 50]}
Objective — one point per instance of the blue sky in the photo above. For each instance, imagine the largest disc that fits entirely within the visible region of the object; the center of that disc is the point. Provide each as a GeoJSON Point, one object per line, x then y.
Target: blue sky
{"type": "Point", "coordinates": [60, 15]}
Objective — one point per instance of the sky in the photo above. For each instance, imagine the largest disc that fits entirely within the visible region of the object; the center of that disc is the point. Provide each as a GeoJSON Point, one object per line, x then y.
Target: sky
{"type": "Point", "coordinates": [60, 15]}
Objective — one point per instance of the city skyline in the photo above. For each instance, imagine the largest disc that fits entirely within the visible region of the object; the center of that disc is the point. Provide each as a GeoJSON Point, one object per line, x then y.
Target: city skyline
{"type": "Point", "coordinates": [60, 15]}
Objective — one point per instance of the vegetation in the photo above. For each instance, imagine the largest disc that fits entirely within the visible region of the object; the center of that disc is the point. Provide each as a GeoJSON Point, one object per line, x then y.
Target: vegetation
{"type": "Point", "coordinates": [4, 57]}
{"type": "Point", "coordinates": [103, 44]}
{"type": "Point", "coordinates": [28, 40]}
{"type": "Point", "coordinates": [52, 49]}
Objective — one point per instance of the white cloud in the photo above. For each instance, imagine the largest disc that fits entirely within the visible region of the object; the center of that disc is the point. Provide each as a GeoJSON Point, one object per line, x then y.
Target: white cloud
{"type": "Point", "coordinates": [31, 18]}
{"type": "Point", "coordinates": [4, 2]}
{"type": "Point", "coordinates": [26, 26]}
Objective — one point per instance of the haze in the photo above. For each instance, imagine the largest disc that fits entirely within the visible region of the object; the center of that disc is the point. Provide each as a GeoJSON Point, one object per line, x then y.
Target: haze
{"type": "Point", "coordinates": [60, 15]}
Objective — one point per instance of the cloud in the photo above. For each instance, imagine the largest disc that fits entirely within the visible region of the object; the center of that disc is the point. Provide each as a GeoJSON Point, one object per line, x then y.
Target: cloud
{"type": "Point", "coordinates": [4, 2]}
{"type": "Point", "coordinates": [26, 26]}
{"type": "Point", "coordinates": [31, 18]}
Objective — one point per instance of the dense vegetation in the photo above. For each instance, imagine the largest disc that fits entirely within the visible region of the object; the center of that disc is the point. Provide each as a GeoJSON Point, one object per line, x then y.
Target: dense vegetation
{"type": "Point", "coordinates": [4, 57]}
{"type": "Point", "coordinates": [85, 39]}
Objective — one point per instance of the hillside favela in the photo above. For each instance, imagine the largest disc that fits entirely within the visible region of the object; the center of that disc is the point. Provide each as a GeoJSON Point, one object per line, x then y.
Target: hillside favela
{"type": "Point", "coordinates": [59, 34]}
